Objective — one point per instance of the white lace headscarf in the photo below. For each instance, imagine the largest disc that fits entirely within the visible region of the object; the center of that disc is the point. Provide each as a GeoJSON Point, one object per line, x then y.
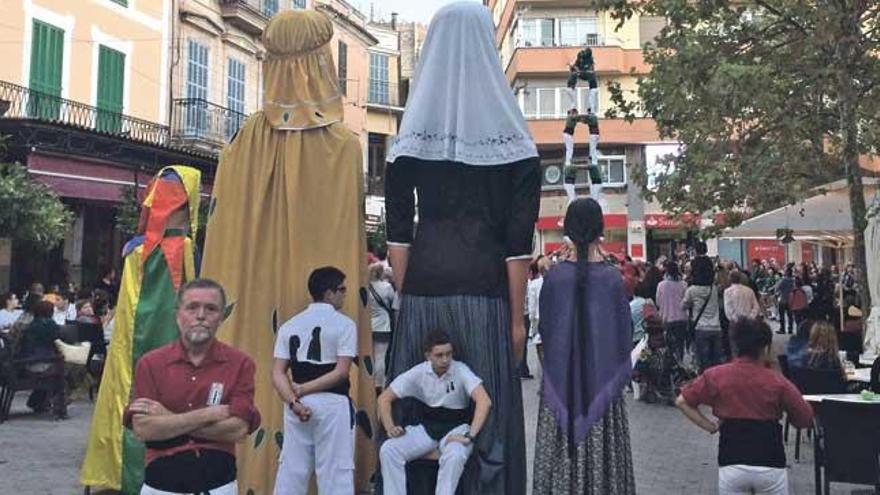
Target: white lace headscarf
{"type": "Point", "coordinates": [461, 107]}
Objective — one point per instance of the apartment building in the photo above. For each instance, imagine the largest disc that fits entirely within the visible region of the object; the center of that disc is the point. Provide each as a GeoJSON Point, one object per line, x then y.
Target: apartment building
{"type": "Point", "coordinates": [537, 40]}
{"type": "Point", "coordinates": [101, 94]}
{"type": "Point", "coordinates": [84, 99]}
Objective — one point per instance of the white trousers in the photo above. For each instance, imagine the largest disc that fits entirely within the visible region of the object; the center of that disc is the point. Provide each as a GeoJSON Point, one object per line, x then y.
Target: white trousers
{"type": "Point", "coordinates": [324, 444]}
{"type": "Point", "coordinates": [594, 149]}
{"type": "Point", "coordinates": [568, 139]}
{"type": "Point", "coordinates": [746, 480]}
{"type": "Point", "coordinates": [416, 443]}
{"type": "Point", "coordinates": [594, 100]}
{"type": "Point", "coordinates": [227, 489]}
{"type": "Point", "coordinates": [571, 93]}
{"type": "Point", "coordinates": [570, 192]}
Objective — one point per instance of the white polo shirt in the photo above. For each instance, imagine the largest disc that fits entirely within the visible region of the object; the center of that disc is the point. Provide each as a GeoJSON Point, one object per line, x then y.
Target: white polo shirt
{"type": "Point", "coordinates": [452, 390]}
{"type": "Point", "coordinates": [336, 334]}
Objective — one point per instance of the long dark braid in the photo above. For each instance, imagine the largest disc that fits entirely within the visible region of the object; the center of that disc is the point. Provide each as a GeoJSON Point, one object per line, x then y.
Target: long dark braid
{"type": "Point", "coordinates": [583, 225]}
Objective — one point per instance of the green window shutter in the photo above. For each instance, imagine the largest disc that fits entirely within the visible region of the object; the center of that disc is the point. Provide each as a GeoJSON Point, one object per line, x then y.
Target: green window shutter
{"type": "Point", "coordinates": [111, 79]}
{"type": "Point", "coordinates": [47, 57]}
{"type": "Point", "coordinates": [124, 3]}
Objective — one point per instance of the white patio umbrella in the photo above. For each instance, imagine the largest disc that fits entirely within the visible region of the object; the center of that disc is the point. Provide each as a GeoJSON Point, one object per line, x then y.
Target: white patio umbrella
{"type": "Point", "coordinates": [872, 252]}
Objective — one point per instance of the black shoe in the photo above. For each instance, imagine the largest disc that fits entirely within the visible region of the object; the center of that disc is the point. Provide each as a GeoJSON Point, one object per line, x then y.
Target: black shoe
{"type": "Point", "coordinates": [528, 376]}
{"type": "Point", "coordinates": [781, 332]}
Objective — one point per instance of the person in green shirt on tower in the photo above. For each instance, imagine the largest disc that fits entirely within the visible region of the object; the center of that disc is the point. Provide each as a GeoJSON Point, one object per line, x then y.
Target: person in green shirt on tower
{"type": "Point", "coordinates": [583, 68]}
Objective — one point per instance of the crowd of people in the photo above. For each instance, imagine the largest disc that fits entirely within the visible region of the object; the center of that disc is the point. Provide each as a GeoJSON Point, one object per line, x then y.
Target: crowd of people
{"type": "Point", "coordinates": [35, 324]}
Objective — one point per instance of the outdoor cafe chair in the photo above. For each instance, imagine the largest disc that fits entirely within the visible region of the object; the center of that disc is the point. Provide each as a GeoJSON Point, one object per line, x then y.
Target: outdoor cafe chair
{"type": "Point", "coordinates": [14, 376]}
{"type": "Point", "coordinates": [875, 376]}
{"type": "Point", "coordinates": [848, 444]}
{"type": "Point", "coordinates": [94, 334]}
{"type": "Point", "coordinates": [814, 381]}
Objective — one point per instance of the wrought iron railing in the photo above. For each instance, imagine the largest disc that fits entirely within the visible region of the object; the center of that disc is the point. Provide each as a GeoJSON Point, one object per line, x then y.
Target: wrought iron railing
{"type": "Point", "coordinates": [26, 103]}
{"type": "Point", "coordinates": [195, 118]}
{"type": "Point", "coordinates": [383, 93]}
{"type": "Point", "coordinates": [266, 7]}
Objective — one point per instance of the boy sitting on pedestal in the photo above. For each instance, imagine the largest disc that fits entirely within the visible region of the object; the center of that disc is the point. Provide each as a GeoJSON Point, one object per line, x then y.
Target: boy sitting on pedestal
{"type": "Point", "coordinates": [445, 387]}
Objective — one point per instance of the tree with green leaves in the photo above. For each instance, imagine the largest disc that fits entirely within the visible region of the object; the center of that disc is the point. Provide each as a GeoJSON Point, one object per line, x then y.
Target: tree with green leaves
{"type": "Point", "coordinates": [769, 98]}
{"type": "Point", "coordinates": [29, 210]}
{"type": "Point", "coordinates": [128, 212]}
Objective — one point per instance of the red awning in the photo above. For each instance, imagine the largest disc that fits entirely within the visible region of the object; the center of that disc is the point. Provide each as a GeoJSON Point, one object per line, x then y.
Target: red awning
{"type": "Point", "coordinates": [87, 179]}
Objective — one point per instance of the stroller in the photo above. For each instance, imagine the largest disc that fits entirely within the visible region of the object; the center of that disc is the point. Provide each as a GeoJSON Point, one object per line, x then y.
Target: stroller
{"type": "Point", "coordinates": [659, 369]}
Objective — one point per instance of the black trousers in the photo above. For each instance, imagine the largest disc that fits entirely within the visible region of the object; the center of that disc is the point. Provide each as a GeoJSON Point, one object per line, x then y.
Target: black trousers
{"type": "Point", "coordinates": [524, 364]}
{"type": "Point", "coordinates": [785, 313]}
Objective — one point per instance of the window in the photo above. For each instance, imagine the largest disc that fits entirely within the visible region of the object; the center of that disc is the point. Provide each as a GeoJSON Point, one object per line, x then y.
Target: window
{"type": "Point", "coordinates": [578, 31]}
{"type": "Point", "coordinates": [536, 32]}
{"type": "Point", "coordinates": [613, 170]}
{"type": "Point", "coordinates": [299, 4]}
{"type": "Point", "coordinates": [111, 79]}
{"type": "Point", "coordinates": [584, 100]}
{"type": "Point", "coordinates": [378, 79]}
{"type": "Point", "coordinates": [196, 88]}
{"type": "Point", "coordinates": [270, 7]}
{"type": "Point", "coordinates": [547, 103]}
{"type": "Point", "coordinates": [47, 55]}
{"type": "Point", "coordinates": [342, 70]}
{"type": "Point", "coordinates": [235, 97]}
{"type": "Point", "coordinates": [543, 103]}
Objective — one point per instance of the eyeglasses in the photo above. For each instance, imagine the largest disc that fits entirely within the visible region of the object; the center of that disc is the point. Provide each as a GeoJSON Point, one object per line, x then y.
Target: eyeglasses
{"type": "Point", "coordinates": [341, 288]}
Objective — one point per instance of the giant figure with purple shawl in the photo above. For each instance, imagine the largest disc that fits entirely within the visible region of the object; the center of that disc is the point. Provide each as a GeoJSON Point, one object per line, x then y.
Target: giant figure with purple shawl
{"type": "Point", "coordinates": [582, 441]}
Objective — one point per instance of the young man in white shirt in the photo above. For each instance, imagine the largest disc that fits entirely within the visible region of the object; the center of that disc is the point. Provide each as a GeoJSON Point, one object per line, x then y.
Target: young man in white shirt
{"type": "Point", "coordinates": [445, 387]}
{"type": "Point", "coordinates": [318, 346]}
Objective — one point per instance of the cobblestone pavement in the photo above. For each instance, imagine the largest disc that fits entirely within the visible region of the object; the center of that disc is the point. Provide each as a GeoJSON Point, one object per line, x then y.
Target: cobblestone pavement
{"type": "Point", "coordinates": [40, 456]}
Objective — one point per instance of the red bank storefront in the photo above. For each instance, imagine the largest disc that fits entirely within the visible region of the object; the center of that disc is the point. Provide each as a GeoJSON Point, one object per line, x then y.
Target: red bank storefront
{"type": "Point", "coordinates": [766, 249]}
{"type": "Point", "coordinates": [550, 233]}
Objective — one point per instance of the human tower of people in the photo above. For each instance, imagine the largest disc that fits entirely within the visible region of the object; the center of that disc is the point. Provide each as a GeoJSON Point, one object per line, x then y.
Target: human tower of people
{"type": "Point", "coordinates": [258, 373]}
{"type": "Point", "coordinates": [583, 68]}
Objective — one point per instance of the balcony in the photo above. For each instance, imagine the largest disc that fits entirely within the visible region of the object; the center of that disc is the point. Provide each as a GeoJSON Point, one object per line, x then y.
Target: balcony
{"type": "Point", "coordinates": [250, 16]}
{"type": "Point", "coordinates": [202, 125]}
{"type": "Point", "coordinates": [25, 103]}
{"type": "Point", "coordinates": [547, 133]}
{"type": "Point", "coordinates": [553, 61]}
{"type": "Point", "coordinates": [384, 95]}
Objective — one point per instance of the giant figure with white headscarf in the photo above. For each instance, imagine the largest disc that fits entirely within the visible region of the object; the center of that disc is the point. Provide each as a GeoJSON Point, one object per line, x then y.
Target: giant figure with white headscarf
{"type": "Point", "coordinates": [465, 152]}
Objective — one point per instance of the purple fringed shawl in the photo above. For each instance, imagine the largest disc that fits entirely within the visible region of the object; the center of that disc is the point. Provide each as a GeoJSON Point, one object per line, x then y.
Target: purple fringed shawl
{"type": "Point", "coordinates": [582, 376]}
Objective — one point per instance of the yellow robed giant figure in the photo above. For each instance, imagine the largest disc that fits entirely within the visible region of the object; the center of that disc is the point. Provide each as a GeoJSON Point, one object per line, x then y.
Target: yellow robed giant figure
{"type": "Point", "coordinates": [288, 199]}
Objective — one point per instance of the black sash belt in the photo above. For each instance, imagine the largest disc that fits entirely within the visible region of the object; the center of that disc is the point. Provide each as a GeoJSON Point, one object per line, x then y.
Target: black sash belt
{"type": "Point", "coordinates": [306, 372]}
{"type": "Point", "coordinates": [751, 442]}
{"type": "Point", "coordinates": [438, 421]}
{"type": "Point", "coordinates": [191, 471]}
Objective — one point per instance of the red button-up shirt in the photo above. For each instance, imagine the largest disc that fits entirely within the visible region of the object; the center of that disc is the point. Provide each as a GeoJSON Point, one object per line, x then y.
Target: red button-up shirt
{"type": "Point", "coordinates": [746, 389]}
{"type": "Point", "coordinates": [166, 375]}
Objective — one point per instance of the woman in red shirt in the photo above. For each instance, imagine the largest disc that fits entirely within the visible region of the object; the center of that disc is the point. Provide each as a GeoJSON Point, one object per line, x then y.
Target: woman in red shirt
{"type": "Point", "coordinates": [748, 398]}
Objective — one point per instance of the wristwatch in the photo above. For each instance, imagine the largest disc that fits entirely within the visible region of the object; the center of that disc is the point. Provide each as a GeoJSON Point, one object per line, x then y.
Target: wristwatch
{"type": "Point", "coordinates": [468, 435]}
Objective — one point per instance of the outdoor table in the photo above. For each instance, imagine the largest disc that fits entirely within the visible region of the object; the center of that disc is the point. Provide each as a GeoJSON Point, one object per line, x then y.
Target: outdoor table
{"type": "Point", "coordinates": [841, 397]}
{"type": "Point", "coordinates": [862, 375]}
{"type": "Point", "coordinates": [867, 359]}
